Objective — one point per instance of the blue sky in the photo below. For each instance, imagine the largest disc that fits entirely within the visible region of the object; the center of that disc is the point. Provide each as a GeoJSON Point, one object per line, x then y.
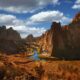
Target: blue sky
{"type": "Point", "coordinates": [35, 16]}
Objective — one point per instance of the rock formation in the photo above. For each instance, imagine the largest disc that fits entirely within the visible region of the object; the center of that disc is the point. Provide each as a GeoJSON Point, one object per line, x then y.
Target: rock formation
{"type": "Point", "coordinates": [45, 41]}
{"type": "Point", "coordinates": [59, 41]}
{"type": "Point", "coordinates": [76, 19]}
{"type": "Point", "coordinates": [9, 34]}
{"type": "Point", "coordinates": [10, 41]}
{"type": "Point", "coordinates": [62, 42]}
{"type": "Point", "coordinates": [29, 38]}
{"type": "Point", "coordinates": [66, 40]}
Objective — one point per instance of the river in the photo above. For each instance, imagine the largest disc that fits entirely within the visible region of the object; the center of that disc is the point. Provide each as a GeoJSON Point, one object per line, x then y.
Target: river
{"type": "Point", "coordinates": [35, 56]}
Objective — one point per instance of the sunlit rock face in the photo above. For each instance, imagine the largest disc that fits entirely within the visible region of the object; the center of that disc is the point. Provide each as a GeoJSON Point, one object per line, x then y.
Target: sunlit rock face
{"type": "Point", "coordinates": [45, 41]}
{"type": "Point", "coordinates": [52, 38]}
{"type": "Point", "coordinates": [62, 42]}
{"type": "Point", "coordinates": [76, 19]}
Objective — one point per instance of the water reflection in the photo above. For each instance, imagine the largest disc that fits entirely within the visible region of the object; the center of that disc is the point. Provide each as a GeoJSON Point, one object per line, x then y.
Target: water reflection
{"type": "Point", "coordinates": [35, 56]}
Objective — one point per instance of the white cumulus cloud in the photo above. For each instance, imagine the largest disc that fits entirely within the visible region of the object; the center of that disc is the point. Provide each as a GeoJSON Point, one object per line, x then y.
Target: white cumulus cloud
{"type": "Point", "coordinates": [20, 25]}
{"type": "Point", "coordinates": [76, 5]}
{"type": "Point", "coordinates": [32, 25]}
{"type": "Point", "coordinates": [6, 19]}
{"type": "Point", "coordinates": [49, 16]}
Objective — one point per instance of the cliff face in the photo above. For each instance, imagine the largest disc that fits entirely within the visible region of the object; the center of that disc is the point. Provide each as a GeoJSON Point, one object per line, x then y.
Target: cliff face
{"type": "Point", "coordinates": [52, 39]}
{"type": "Point", "coordinates": [45, 41]}
{"type": "Point", "coordinates": [57, 37]}
{"type": "Point", "coordinates": [76, 19]}
{"type": "Point", "coordinates": [66, 41]}
{"type": "Point", "coordinates": [62, 42]}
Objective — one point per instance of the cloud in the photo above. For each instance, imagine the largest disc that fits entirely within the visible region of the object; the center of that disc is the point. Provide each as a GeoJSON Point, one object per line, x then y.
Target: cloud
{"type": "Point", "coordinates": [6, 19]}
{"type": "Point", "coordinates": [36, 31]}
{"type": "Point", "coordinates": [76, 5]}
{"type": "Point", "coordinates": [35, 24]}
{"type": "Point", "coordinates": [66, 20]}
{"type": "Point", "coordinates": [24, 6]}
{"type": "Point", "coordinates": [49, 16]}
{"type": "Point", "coordinates": [44, 2]}
{"type": "Point", "coordinates": [20, 25]}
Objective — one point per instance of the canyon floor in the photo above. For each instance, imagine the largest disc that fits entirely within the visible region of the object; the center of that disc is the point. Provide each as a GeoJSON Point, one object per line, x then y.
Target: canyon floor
{"type": "Point", "coordinates": [14, 67]}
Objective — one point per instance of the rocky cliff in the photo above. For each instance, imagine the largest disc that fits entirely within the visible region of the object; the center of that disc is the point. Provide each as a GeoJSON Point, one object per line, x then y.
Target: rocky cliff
{"type": "Point", "coordinates": [9, 34]}
{"type": "Point", "coordinates": [66, 42]}
{"type": "Point", "coordinates": [45, 41]}
{"type": "Point", "coordinates": [10, 40]}
{"type": "Point", "coordinates": [76, 19]}
{"type": "Point", "coordinates": [62, 42]}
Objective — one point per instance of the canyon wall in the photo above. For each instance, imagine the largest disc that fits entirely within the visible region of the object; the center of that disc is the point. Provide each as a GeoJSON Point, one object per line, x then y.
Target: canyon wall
{"type": "Point", "coordinates": [62, 41]}
{"type": "Point", "coordinates": [59, 41]}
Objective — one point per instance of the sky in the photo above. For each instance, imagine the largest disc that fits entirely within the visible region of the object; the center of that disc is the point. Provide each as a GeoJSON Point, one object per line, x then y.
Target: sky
{"type": "Point", "coordinates": [35, 16]}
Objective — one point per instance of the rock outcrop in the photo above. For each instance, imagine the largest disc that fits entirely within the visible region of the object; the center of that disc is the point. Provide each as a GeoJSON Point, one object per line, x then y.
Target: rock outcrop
{"type": "Point", "coordinates": [30, 38]}
{"type": "Point", "coordinates": [66, 40]}
{"type": "Point", "coordinates": [9, 34]}
{"type": "Point", "coordinates": [10, 41]}
{"type": "Point", "coordinates": [45, 41]}
{"type": "Point", "coordinates": [62, 42]}
{"type": "Point", "coordinates": [76, 19]}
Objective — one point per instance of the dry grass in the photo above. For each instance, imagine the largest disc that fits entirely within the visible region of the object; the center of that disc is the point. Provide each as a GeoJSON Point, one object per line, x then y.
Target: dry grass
{"type": "Point", "coordinates": [18, 68]}
{"type": "Point", "coordinates": [63, 70]}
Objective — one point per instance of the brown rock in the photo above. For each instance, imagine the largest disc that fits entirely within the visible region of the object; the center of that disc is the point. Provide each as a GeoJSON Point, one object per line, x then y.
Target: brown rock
{"type": "Point", "coordinates": [10, 40]}
{"type": "Point", "coordinates": [62, 42]}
